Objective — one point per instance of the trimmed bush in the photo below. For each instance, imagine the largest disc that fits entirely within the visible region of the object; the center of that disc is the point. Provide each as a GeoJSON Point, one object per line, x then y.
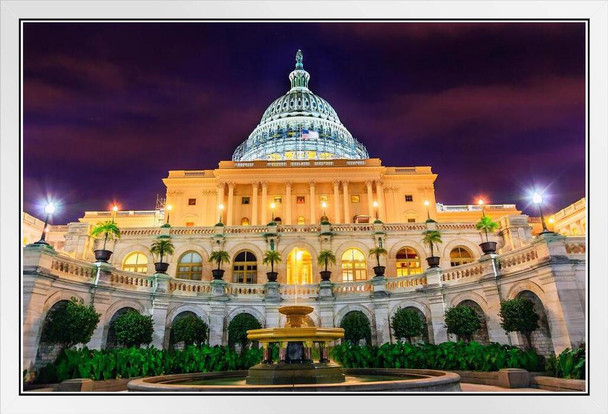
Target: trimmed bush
{"type": "Point", "coordinates": [462, 321]}
{"type": "Point", "coordinates": [518, 315]}
{"type": "Point", "coordinates": [133, 329]}
{"type": "Point", "coordinates": [189, 329]}
{"type": "Point", "coordinates": [70, 324]}
{"type": "Point", "coordinates": [238, 327]}
{"type": "Point", "coordinates": [407, 324]}
{"type": "Point", "coordinates": [356, 327]}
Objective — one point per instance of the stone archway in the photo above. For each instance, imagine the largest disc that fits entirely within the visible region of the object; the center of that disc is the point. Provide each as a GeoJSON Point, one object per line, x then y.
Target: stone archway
{"type": "Point", "coordinates": [482, 336]}
{"type": "Point", "coordinates": [541, 337]}
{"type": "Point", "coordinates": [110, 341]}
{"type": "Point", "coordinates": [48, 352]}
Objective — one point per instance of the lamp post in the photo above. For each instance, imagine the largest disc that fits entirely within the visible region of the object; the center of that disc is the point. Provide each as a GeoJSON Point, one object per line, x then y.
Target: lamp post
{"type": "Point", "coordinates": [480, 202]}
{"type": "Point", "coordinates": [323, 206]}
{"type": "Point", "coordinates": [538, 199]}
{"type": "Point", "coordinates": [49, 209]}
{"type": "Point", "coordinates": [375, 204]}
{"type": "Point", "coordinates": [428, 214]}
{"type": "Point", "coordinates": [169, 208]}
{"type": "Point", "coordinates": [272, 207]}
{"type": "Point", "coordinates": [114, 210]}
{"type": "Point", "coordinates": [221, 209]}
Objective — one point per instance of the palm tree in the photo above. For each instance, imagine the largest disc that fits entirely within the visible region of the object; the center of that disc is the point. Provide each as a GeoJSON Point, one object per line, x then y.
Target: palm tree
{"type": "Point", "coordinates": [108, 228]}
{"type": "Point", "coordinates": [219, 257]}
{"type": "Point", "coordinates": [378, 251]}
{"type": "Point", "coordinates": [487, 225]}
{"type": "Point", "coordinates": [162, 246]}
{"type": "Point", "coordinates": [272, 257]}
{"type": "Point", "coordinates": [326, 257]}
{"type": "Point", "coordinates": [432, 237]}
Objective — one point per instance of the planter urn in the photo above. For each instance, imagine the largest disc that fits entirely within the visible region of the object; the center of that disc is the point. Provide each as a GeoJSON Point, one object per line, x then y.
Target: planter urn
{"type": "Point", "coordinates": [488, 247]}
{"type": "Point", "coordinates": [161, 267]}
{"type": "Point", "coordinates": [218, 274]}
{"type": "Point", "coordinates": [272, 276]}
{"type": "Point", "coordinates": [379, 270]}
{"type": "Point", "coordinates": [325, 275]}
{"type": "Point", "coordinates": [433, 261]}
{"type": "Point", "coordinates": [102, 255]}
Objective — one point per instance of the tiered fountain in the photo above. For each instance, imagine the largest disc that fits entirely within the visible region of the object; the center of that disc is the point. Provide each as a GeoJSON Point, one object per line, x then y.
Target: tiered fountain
{"type": "Point", "coordinates": [296, 371]}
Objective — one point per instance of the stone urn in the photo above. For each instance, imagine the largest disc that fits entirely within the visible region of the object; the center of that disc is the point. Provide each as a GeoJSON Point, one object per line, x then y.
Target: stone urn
{"type": "Point", "coordinates": [488, 247]}
{"type": "Point", "coordinates": [272, 276]}
{"type": "Point", "coordinates": [325, 275]}
{"type": "Point", "coordinates": [161, 267]}
{"type": "Point", "coordinates": [218, 274]}
{"type": "Point", "coordinates": [102, 255]}
{"type": "Point", "coordinates": [433, 261]}
{"type": "Point", "coordinates": [379, 270]}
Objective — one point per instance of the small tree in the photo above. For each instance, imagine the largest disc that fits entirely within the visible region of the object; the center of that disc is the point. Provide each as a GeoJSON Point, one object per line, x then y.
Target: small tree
{"type": "Point", "coordinates": [219, 257]}
{"type": "Point", "coordinates": [407, 324]}
{"type": "Point", "coordinates": [162, 246]}
{"type": "Point", "coordinates": [462, 321]}
{"type": "Point", "coordinates": [326, 257]}
{"type": "Point", "coordinates": [108, 228]}
{"type": "Point", "coordinates": [518, 315]}
{"type": "Point", "coordinates": [133, 329]}
{"type": "Point", "coordinates": [189, 329]}
{"type": "Point", "coordinates": [378, 251]}
{"type": "Point", "coordinates": [431, 238]}
{"type": "Point", "coordinates": [272, 257]}
{"type": "Point", "coordinates": [356, 327]}
{"type": "Point", "coordinates": [70, 324]}
{"type": "Point", "coordinates": [487, 225]}
{"type": "Point", "coordinates": [238, 327]}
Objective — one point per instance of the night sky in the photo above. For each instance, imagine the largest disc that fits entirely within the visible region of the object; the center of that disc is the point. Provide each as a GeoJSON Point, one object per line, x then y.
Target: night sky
{"type": "Point", "coordinates": [109, 108]}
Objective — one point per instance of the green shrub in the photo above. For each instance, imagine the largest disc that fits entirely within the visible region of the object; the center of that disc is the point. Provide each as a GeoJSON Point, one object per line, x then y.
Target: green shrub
{"type": "Point", "coordinates": [518, 315]}
{"type": "Point", "coordinates": [356, 327]}
{"type": "Point", "coordinates": [407, 324]}
{"type": "Point", "coordinates": [462, 321]}
{"type": "Point", "coordinates": [70, 324]}
{"type": "Point", "coordinates": [189, 329]}
{"type": "Point", "coordinates": [238, 327]}
{"type": "Point", "coordinates": [133, 329]}
{"type": "Point", "coordinates": [569, 364]}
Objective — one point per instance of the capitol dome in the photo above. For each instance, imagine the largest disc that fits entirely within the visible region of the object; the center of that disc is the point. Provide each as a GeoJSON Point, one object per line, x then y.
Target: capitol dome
{"type": "Point", "coordinates": [300, 126]}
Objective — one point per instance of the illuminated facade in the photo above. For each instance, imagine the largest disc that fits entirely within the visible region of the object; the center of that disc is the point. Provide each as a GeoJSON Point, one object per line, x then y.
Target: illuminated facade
{"type": "Point", "coordinates": [301, 184]}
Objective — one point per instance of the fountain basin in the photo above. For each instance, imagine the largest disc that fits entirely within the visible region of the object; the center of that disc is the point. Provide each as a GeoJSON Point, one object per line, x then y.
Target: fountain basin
{"type": "Point", "coordinates": [357, 380]}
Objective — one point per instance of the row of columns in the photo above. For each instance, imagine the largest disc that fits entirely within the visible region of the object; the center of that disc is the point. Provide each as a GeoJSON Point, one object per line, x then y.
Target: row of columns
{"type": "Point", "coordinates": [340, 215]}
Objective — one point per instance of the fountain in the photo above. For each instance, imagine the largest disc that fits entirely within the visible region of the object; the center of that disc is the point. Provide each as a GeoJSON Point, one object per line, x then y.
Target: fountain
{"type": "Point", "coordinates": [296, 370]}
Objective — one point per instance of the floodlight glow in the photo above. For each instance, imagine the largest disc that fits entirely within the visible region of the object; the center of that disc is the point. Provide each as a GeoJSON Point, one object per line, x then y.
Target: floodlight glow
{"type": "Point", "coordinates": [323, 204]}
{"type": "Point", "coordinates": [537, 198]}
{"type": "Point", "coordinates": [375, 204]}
{"type": "Point", "coordinates": [272, 205]}
{"type": "Point", "coordinates": [426, 203]}
{"type": "Point", "coordinates": [169, 207]}
{"type": "Point", "coordinates": [221, 207]}
{"type": "Point", "coordinates": [480, 202]}
{"type": "Point", "coordinates": [551, 220]}
{"type": "Point", "coordinates": [115, 208]}
{"type": "Point", "coordinates": [49, 208]}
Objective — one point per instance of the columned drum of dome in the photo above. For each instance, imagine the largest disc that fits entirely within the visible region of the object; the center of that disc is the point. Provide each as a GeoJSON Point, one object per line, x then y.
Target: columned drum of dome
{"type": "Point", "coordinates": [300, 126]}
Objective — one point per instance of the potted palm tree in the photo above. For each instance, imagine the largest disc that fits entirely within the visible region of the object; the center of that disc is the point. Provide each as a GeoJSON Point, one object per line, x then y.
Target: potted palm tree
{"type": "Point", "coordinates": [162, 246]}
{"type": "Point", "coordinates": [378, 251]}
{"type": "Point", "coordinates": [432, 237]}
{"type": "Point", "coordinates": [219, 257]}
{"type": "Point", "coordinates": [487, 225]}
{"type": "Point", "coordinates": [326, 257]}
{"type": "Point", "coordinates": [272, 257]}
{"type": "Point", "coordinates": [111, 232]}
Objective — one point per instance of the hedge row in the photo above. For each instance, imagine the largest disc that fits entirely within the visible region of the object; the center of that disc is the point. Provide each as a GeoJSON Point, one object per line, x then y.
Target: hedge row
{"type": "Point", "coordinates": [463, 356]}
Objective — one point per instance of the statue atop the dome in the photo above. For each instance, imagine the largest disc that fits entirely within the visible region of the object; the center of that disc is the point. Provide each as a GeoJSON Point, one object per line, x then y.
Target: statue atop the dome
{"type": "Point", "coordinates": [299, 58]}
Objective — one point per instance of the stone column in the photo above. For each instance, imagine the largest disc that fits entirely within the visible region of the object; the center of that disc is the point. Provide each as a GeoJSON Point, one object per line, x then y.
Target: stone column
{"type": "Point", "coordinates": [326, 311]}
{"type": "Point", "coordinates": [264, 203]}
{"type": "Point", "coordinates": [381, 320]}
{"type": "Point", "coordinates": [336, 202]}
{"type": "Point", "coordinates": [288, 203]}
{"type": "Point", "coordinates": [220, 200]}
{"type": "Point", "coordinates": [216, 323]}
{"type": "Point", "coordinates": [380, 199]}
{"type": "Point", "coordinates": [159, 316]}
{"type": "Point", "coordinates": [347, 218]}
{"type": "Point", "coordinates": [370, 200]}
{"type": "Point", "coordinates": [254, 201]}
{"type": "Point", "coordinates": [230, 209]}
{"type": "Point", "coordinates": [437, 307]}
{"type": "Point", "coordinates": [313, 203]}
{"type": "Point", "coordinates": [492, 294]}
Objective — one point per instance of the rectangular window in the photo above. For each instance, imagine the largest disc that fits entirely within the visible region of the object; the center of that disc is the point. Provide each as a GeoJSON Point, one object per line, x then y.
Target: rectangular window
{"type": "Point", "coordinates": [245, 200]}
{"type": "Point", "coordinates": [300, 199]}
{"type": "Point", "coordinates": [192, 201]}
{"type": "Point", "coordinates": [355, 198]}
{"type": "Point", "coordinates": [189, 224]}
{"type": "Point", "coordinates": [278, 200]}
{"type": "Point", "coordinates": [409, 198]}
{"type": "Point", "coordinates": [411, 220]}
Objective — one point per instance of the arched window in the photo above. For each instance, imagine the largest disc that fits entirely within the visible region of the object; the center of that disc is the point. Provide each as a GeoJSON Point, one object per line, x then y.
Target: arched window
{"type": "Point", "coordinates": [301, 221]}
{"type": "Point", "coordinates": [459, 256]}
{"type": "Point", "coordinates": [135, 262]}
{"type": "Point", "coordinates": [354, 267]}
{"type": "Point", "coordinates": [299, 267]}
{"type": "Point", "coordinates": [190, 266]}
{"type": "Point", "coordinates": [245, 268]}
{"type": "Point", "coordinates": [408, 262]}
{"type": "Point", "coordinates": [244, 221]}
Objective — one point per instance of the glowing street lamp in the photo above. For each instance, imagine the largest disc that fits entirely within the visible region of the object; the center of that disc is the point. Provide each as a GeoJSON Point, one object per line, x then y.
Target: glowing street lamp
{"type": "Point", "coordinates": [169, 208]}
{"type": "Point", "coordinates": [49, 209]}
{"type": "Point", "coordinates": [375, 204]}
{"type": "Point", "coordinates": [114, 210]}
{"type": "Point", "coordinates": [323, 206]}
{"type": "Point", "coordinates": [538, 200]}
{"type": "Point", "coordinates": [428, 214]}
{"type": "Point", "coordinates": [221, 209]}
{"type": "Point", "coordinates": [272, 207]}
{"type": "Point", "coordinates": [480, 202]}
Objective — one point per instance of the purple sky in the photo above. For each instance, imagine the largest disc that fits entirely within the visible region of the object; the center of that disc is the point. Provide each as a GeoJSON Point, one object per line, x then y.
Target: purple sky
{"type": "Point", "coordinates": [494, 108]}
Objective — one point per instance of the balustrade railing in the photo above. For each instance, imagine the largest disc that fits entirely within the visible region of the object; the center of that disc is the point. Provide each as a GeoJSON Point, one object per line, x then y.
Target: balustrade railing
{"type": "Point", "coordinates": [140, 231]}
{"type": "Point", "coordinates": [511, 260]}
{"type": "Point", "coordinates": [69, 266]}
{"type": "Point", "coordinates": [183, 286]}
{"type": "Point", "coordinates": [469, 270]}
{"type": "Point", "coordinates": [405, 283]}
{"type": "Point", "coordinates": [131, 279]}
{"type": "Point", "coordinates": [576, 247]}
{"type": "Point", "coordinates": [245, 289]}
{"type": "Point", "coordinates": [299, 291]}
{"type": "Point", "coordinates": [346, 288]}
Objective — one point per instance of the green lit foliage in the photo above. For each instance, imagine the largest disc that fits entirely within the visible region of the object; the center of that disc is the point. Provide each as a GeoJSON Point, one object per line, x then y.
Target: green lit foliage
{"type": "Point", "coordinates": [407, 324]}
{"type": "Point", "coordinates": [238, 327]}
{"type": "Point", "coordinates": [518, 315]}
{"type": "Point", "coordinates": [219, 257]}
{"type": "Point", "coordinates": [462, 321]}
{"type": "Point", "coordinates": [356, 327]}
{"type": "Point", "coordinates": [108, 229]}
{"type": "Point", "coordinates": [569, 364]}
{"type": "Point", "coordinates": [70, 323]}
{"type": "Point", "coordinates": [432, 238]}
{"type": "Point", "coordinates": [133, 329]}
{"type": "Point", "coordinates": [162, 246]}
{"type": "Point", "coordinates": [487, 225]}
{"type": "Point", "coordinates": [326, 257]}
{"type": "Point", "coordinates": [272, 257]}
{"type": "Point", "coordinates": [189, 329]}
{"type": "Point", "coordinates": [378, 251]}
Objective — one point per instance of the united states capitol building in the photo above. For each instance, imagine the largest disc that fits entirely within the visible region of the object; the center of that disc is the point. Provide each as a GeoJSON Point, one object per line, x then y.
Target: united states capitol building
{"type": "Point", "coordinates": [299, 184]}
